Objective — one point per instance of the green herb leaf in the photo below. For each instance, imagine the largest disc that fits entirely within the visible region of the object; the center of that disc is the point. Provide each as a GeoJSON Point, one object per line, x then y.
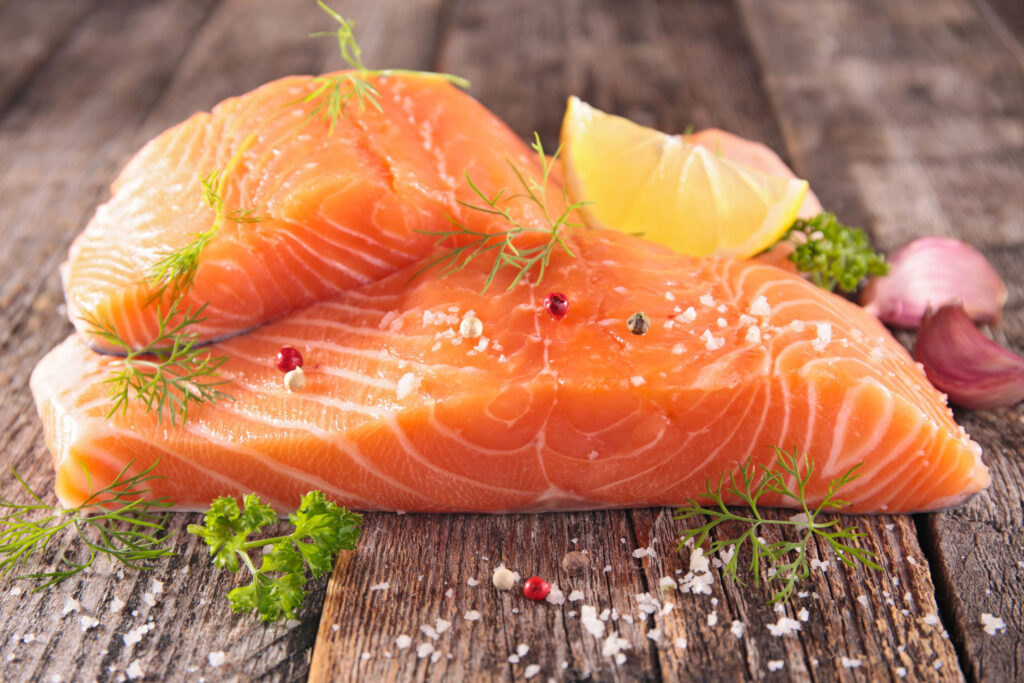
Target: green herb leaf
{"type": "Point", "coordinates": [787, 560]}
{"type": "Point", "coordinates": [332, 94]}
{"type": "Point", "coordinates": [277, 589]}
{"type": "Point", "coordinates": [168, 374]}
{"type": "Point", "coordinates": [502, 243]}
{"type": "Point", "coordinates": [833, 254]}
{"type": "Point", "coordinates": [175, 271]}
{"type": "Point", "coordinates": [117, 521]}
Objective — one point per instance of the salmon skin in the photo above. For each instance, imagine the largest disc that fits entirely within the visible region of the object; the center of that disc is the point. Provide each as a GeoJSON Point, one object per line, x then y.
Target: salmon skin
{"type": "Point", "coordinates": [337, 206]}
{"type": "Point", "coordinates": [401, 412]}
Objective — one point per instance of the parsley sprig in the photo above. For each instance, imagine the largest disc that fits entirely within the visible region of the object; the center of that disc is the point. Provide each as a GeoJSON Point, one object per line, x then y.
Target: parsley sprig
{"type": "Point", "coordinates": [277, 589]}
{"type": "Point", "coordinates": [332, 94]}
{"type": "Point", "coordinates": [168, 374]}
{"type": "Point", "coordinates": [118, 522]}
{"type": "Point", "coordinates": [473, 243]}
{"type": "Point", "coordinates": [786, 559]}
{"type": "Point", "coordinates": [833, 254]}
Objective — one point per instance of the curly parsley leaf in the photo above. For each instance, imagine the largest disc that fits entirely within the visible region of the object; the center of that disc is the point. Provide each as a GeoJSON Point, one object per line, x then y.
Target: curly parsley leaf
{"type": "Point", "coordinates": [833, 254]}
{"type": "Point", "coordinates": [277, 589]}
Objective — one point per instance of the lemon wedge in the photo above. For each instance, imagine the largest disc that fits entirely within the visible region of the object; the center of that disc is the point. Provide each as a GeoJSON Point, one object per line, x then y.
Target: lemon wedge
{"type": "Point", "coordinates": [642, 181]}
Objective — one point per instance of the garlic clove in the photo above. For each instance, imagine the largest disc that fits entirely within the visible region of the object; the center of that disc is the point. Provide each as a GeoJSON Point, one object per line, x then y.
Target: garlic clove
{"type": "Point", "coordinates": [974, 371]}
{"type": "Point", "coordinates": [933, 271]}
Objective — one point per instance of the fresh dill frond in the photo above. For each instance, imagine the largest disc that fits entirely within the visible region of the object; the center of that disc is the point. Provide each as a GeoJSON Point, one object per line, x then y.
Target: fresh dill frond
{"type": "Point", "coordinates": [117, 521]}
{"type": "Point", "coordinates": [508, 254]}
{"type": "Point", "coordinates": [833, 254]}
{"type": "Point", "coordinates": [332, 94]}
{"type": "Point", "coordinates": [168, 374]}
{"type": "Point", "coordinates": [176, 270]}
{"type": "Point", "coordinates": [786, 559]}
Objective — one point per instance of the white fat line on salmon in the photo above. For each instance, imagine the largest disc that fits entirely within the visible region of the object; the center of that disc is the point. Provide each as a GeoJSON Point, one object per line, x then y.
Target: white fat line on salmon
{"type": "Point", "coordinates": [232, 484]}
{"type": "Point", "coordinates": [278, 467]}
{"type": "Point", "coordinates": [842, 456]}
{"type": "Point", "coordinates": [330, 437]}
{"type": "Point", "coordinates": [880, 475]}
{"type": "Point", "coordinates": [724, 414]}
{"type": "Point", "coordinates": [415, 455]}
{"type": "Point", "coordinates": [323, 345]}
{"type": "Point", "coordinates": [303, 236]}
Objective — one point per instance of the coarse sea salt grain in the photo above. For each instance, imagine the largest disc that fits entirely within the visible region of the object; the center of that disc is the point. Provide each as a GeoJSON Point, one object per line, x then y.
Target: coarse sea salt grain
{"type": "Point", "coordinates": [472, 582]}
{"type": "Point", "coordinates": [589, 621]}
{"type": "Point", "coordinates": [688, 316]}
{"type": "Point", "coordinates": [134, 670]}
{"type": "Point", "coordinates": [89, 623]}
{"type": "Point", "coordinates": [760, 307]}
{"type": "Point", "coordinates": [713, 619]}
{"type": "Point", "coordinates": [784, 626]}
{"type": "Point", "coordinates": [575, 596]}
{"type": "Point", "coordinates": [555, 596]}
{"type": "Point", "coordinates": [403, 641]}
{"type": "Point", "coordinates": [992, 624]}
{"type": "Point", "coordinates": [382, 586]}
{"type": "Point", "coordinates": [472, 615]}
{"type": "Point", "coordinates": [637, 381]}
{"type": "Point", "coordinates": [531, 671]}
{"type": "Point", "coordinates": [707, 299]}
{"type": "Point", "coordinates": [776, 664]}
{"type": "Point", "coordinates": [424, 650]}
{"type": "Point", "coordinates": [818, 564]}
{"type": "Point", "coordinates": [753, 334]}
{"type": "Point", "coordinates": [678, 349]}
{"type": "Point", "coordinates": [408, 384]}
{"type": "Point", "coordinates": [216, 658]}
{"type": "Point", "coordinates": [667, 583]}
{"type": "Point", "coordinates": [737, 628]}
{"type": "Point", "coordinates": [70, 605]}
{"type": "Point", "coordinates": [932, 619]}
{"type": "Point", "coordinates": [849, 663]}
{"type": "Point", "coordinates": [823, 338]}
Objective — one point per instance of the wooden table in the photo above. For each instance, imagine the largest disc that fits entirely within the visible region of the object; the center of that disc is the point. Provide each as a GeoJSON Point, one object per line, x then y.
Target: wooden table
{"type": "Point", "coordinates": [907, 117]}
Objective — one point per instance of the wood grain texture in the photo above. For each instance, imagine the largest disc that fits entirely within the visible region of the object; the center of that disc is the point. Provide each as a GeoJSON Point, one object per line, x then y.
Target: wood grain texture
{"type": "Point", "coordinates": [128, 71]}
{"type": "Point", "coordinates": [914, 115]}
{"type": "Point", "coordinates": [880, 622]}
{"type": "Point", "coordinates": [908, 118]}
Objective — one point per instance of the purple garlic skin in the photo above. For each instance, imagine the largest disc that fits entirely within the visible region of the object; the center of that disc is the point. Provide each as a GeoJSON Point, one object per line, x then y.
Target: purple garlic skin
{"type": "Point", "coordinates": [931, 272]}
{"type": "Point", "coordinates": [974, 371]}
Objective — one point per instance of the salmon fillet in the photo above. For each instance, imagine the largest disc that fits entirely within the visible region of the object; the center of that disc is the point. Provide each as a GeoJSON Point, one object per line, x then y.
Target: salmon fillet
{"type": "Point", "coordinates": [402, 413]}
{"type": "Point", "coordinates": [338, 207]}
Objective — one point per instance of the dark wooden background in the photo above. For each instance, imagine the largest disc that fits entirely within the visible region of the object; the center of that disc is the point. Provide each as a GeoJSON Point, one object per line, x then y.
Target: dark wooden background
{"type": "Point", "coordinates": [906, 116]}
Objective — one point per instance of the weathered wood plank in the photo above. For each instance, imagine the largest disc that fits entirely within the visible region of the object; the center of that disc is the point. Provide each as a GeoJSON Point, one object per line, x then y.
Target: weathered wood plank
{"type": "Point", "coordinates": [429, 562]}
{"type": "Point", "coordinates": [30, 37]}
{"type": "Point", "coordinates": [660, 77]}
{"type": "Point", "coordinates": [914, 115]}
{"type": "Point", "coordinates": [129, 70]}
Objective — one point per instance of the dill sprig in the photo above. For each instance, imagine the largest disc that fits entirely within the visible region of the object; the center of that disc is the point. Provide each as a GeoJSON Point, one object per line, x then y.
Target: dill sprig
{"type": "Point", "coordinates": [168, 374]}
{"type": "Point", "coordinates": [332, 94]}
{"type": "Point", "coordinates": [176, 270]}
{"type": "Point", "coordinates": [786, 559]}
{"type": "Point", "coordinates": [833, 254]}
{"type": "Point", "coordinates": [508, 254]}
{"type": "Point", "coordinates": [117, 521]}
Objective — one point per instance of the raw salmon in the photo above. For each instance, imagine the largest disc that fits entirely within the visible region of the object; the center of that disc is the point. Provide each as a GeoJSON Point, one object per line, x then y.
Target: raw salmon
{"type": "Point", "coordinates": [337, 207]}
{"type": "Point", "coordinates": [401, 412]}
